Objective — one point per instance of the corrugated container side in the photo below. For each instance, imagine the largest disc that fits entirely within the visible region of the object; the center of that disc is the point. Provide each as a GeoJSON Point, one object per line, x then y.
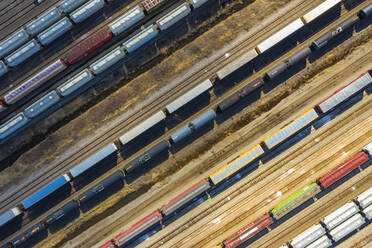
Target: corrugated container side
{"type": "Point", "coordinates": [75, 82]}
{"type": "Point", "coordinates": [12, 125]}
{"type": "Point", "coordinates": [174, 16]}
{"type": "Point", "coordinates": [126, 20]}
{"type": "Point", "coordinates": [347, 227]}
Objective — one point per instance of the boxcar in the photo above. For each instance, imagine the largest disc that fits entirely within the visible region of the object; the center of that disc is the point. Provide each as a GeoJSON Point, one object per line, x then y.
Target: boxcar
{"type": "Point", "coordinates": [185, 197]}
{"type": "Point", "coordinates": [340, 215]}
{"type": "Point", "coordinates": [67, 6]}
{"type": "Point", "coordinates": [75, 82]}
{"type": "Point", "coordinates": [144, 158]}
{"type": "Point", "coordinates": [35, 81]}
{"type": "Point", "coordinates": [107, 61]}
{"type": "Point", "coordinates": [94, 159]}
{"type": "Point", "coordinates": [174, 16]}
{"type": "Point", "coordinates": [23, 53]}
{"type": "Point", "coordinates": [368, 212]}
{"type": "Point", "coordinates": [127, 20]}
{"type": "Point", "coordinates": [15, 40]}
{"type": "Point", "coordinates": [189, 96]}
{"type": "Point", "coordinates": [138, 228]}
{"type": "Point", "coordinates": [365, 199]}
{"type": "Point", "coordinates": [61, 214]}
{"type": "Point", "coordinates": [347, 227]}
{"type": "Point", "coordinates": [140, 39]}
{"type": "Point", "coordinates": [46, 191]}
{"type": "Point", "coordinates": [86, 10]}
{"type": "Point", "coordinates": [344, 93]}
{"type": "Point", "coordinates": [42, 104]}
{"type": "Point", "coordinates": [323, 242]}
{"type": "Point", "coordinates": [12, 125]}
{"type": "Point", "coordinates": [320, 10]}
{"type": "Point", "coordinates": [27, 236]}
{"type": "Point", "coordinates": [54, 31]}
{"type": "Point", "coordinates": [180, 134]}
{"type": "Point", "coordinates": [3, 68]}
{"type": "Point", "coordinates": [43, 21]}
{"type": "Point", "coordinates": [197, 3]}
{"type": "Point", "coordinates": [242, 160]}
{"type": "Point", "coordinates": [9, 215]}
{"type": "Point", "coordinates": [366, 11]}
{"type": "Point", "coordinates": [307, 237]}
{"type": "Point", "coordinates": [142, 127]}
{"type": "Point", "coordinates": [343, 169]}
{"type": "Point", "coordinates": [150, 5]}
{"type": "Point", "coordinates": [248, 231]}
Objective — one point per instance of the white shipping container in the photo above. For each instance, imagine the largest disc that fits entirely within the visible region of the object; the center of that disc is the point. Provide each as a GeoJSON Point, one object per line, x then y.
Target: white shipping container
{"type": "Point", "coordinates": [347, 227]}
{"type": "Point", "coordinates": [340, 215]}
{"type": "Point", "coordinates": [365, 199]}
{"type": "Point", "coordinates": [319, 10]}
{"type": "Point", "coordinates": [280, 35]}
{"type": "Point", "coordinates": [308, 236]}
{"type": "Point", "coordinates": [323, 242]}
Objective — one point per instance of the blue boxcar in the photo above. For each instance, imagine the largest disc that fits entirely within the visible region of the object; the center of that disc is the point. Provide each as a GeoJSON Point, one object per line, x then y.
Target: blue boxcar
{"type": "Point", "coordinates": [208, 116]}
{"type": "Point", "coordinates": [23, 53]}
{"type": "Point", "coordinates": [42, 104]}
{"type": "Point", "coordinates": [173, 16]}
{"type": "Point", "coordinates": [86, 10]}
{"type": "Point", "coordinates": [93, 160]}
{"type": "Point", "coordinates": [55, 31]}
{"type": "Point", "coordinates": [64, 212]}
{"type": "Point", "coordinates": [67, 6]}
{"type": "Point", "coordinates": [12, 125]}
{"type": "Point", "coordinates": [9, 216]}
{"type": "Point", "coordinates": [13, 42]}
{"type": "Point", "coordinates": [141, 38]}
{"type": "Point", "coordinates": [23, 239]}
{"type": "Point", "coordinates": [3, 68]}
{"type": "Point", "coordinates": [45, 191]}
{"type": "Point", "coordinates": [75, 83]}
{"type": "Point", "coordinates": [107, 61]}
{"type": "Point", "coordinates": [127, 20]}
{"type": "Point", "coordinates": [43, 21]}
{"type": "Point", "coordinates": [180, 134]}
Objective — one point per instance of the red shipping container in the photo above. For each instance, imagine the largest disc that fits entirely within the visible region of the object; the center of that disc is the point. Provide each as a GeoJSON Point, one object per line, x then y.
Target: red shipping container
{"type": "Point", "coordinates": [248, 231]}
{"type": "Point", "coordinates": [88, 45]}
{"type": "Point", "coordinates": [151, 4]}
{"type": "Point", "coordinates": [343, 169]}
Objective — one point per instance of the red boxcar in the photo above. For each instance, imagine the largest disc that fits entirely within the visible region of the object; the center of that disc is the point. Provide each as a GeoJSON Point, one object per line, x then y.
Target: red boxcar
{"type": "Point", "coordinates": [109, 244]}
{"type": "Point", "coordinates": [248, 231]}
{"type": "Point", "coordinates": [88, 46]}
{"type": "Point", "coordinates": [149, 5]}
{"type": "Point", "coordinates": [343, 169]}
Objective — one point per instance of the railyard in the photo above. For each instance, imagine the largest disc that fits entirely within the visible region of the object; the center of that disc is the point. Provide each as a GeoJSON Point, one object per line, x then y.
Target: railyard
{"type": "Point", "coordinates": [350, 128]}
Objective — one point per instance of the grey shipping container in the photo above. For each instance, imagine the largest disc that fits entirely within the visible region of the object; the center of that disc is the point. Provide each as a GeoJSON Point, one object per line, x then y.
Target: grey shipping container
{"type": "Point", "coordinates": [140, 39]}
{"type": "Point", "coordinates": [42, 104]}
{"type": "Point", "coordinates": [43, 21]}
{"type": "Point", "coordinates": [23, 53]}
{"type": "Point", "coordinates": [127, 20]}
{"type": "Point", "coordinates": [146, 156]}
{"type": "Point", "coordinates": [86, 10]}
{"type": "Point", "coordinates": [202, 120]}
{"type": "Point", "coordinates": [180, 134]}
{"type": "Point", "coordinates": [62, 213]}
{"type": "Point", "coordinates": [174, 16]}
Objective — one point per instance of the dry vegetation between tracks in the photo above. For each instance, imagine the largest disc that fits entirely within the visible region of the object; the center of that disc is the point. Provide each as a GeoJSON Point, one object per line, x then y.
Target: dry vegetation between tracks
{"type": "Point", "coordinates": [199, 147]}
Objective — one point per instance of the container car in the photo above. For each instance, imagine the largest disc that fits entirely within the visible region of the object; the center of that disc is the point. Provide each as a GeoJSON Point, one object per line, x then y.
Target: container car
{"type": "Point", "coordinates": [144, 158]}
{"type": "Point", "coordinates": [325, 38]}
{"type": "Point", "coordinates": [127, 20]}
{"type": "Point", "coordinates": [150, 5]}
{"type": "Point", "coordinates": [43, 21]}
{"type": "Point", "coordinates": [46, 191]}
{"type": "Point", "coordinates": [86, 10]}
{"type": "Point", "coordinates": [197, 3]}
{"type": "Point", "coordinates": [67, 6]}
{"type": "Point", "coordinates": [368, 149]}
{"type": "Point", "coordinates": [368, 212]}
{"type": "Point", "coordinates": [189, 96]}
{"type": "Point", "coordinates": [242, 160]}
{"type": "Point", "coordinates": [142, 127]}
{"type": "Point", "coordinates": [22, 53]}
{"type": "Point", "coordinates": [180, 134]}
{"type": "Point", "coordinates": [202, 120]}
{"type": "Point", "coordinates": [93, 160]}
{"type": "Point", "coordinates": [173, 17]}
{"type": "Point", "coordinates": [35, 81]}
{"type": "Point", "coordinates": [138, 228]}
{"type": "Point", "coordinates": [344, 93]}
{"type": "Point", "coordinates": [12, 125]}
{"type": "Point", "coordinates": [54, 31]}
{"type": "Point", "coordinates": [365, 199]}
{"type": "Point", "coordinates": [101, 188]}
{"type": "Point", "coordinates": [88, 46]}
{"type": "Point", "coordinates": [295, 200]}
{"type": "Point", "coordinates": [240, 94]}
{"type": "Point", "coordinates": [366, 12]}
{"type": "Point", "coordinates": [343, 169]}
{"type": "Point", "coordinates": [9, 216]}
{"type": "Point", "coordinates": [182, 199]}
{"type": "Point", "coordinates": [75, 83]}
{"type": "Point", "coordinates": [141, 38]}
{"type": "Point", "coordinates": [290, 129]}
{"type": "Point", "coordinates": [107, 61]}
{"type": "Point", "coordinates": [347, 227]}
{"type": "Point", "coordinates": [42, 104]}
{"type": "Point", "coordinates": [340, 215]}
{"type": "Point", "coordinates": [248, 231]}
{"type": "Point", "coordinates": [61, 214]}
{"type": "Point", "coordinates": [3, 68]}
{"type": "Point", "coordinates": [323, 242]}
{"type": "Point", "coordinates": [236, 64]}
{"type": "Point", "coordinates": [279, 36]}
{"type": "Point", "coordinates": [320, 10]}
{"type": "Point", "coordinates": [307, 237]}
{"type": "Point", "coordinates": [24, 239]}
{"type": "Point", "coordinates": [13, 42]}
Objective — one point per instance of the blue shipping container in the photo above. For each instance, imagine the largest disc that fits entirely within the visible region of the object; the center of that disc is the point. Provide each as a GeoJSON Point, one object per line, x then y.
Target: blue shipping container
{"type": "Point", "coordinates": [75, 83]}
{"type": "Point", "coordinates": [107, 61]}
{"type": "Point", "coordinates": [141, 38]}
{"type": "Point", "coordinates": [127, 20]}
{"type": "Point", "coordinates": [55, 31]}
{"type": "Point", "coordinates": [208, 116]}
{"type": "Point", "coordinates": [23, 53]}
{"type": "Point", "coordinates": [180, 134]}
{"type": "Point", "coordinates": [67, 6]}
{"type": "Point", "coordinates": [93, 160]}
{"type": "Point", "coordinates": [3, 68]}
{"type": "Point", "coordinates": [42, 104]}
{"type": "Point", "coordinates": [12, 125]}
{"type": "Point", "coordinates": [45, 191]}
{"type": "Point", "coordinates": [43, 21]}
{"type": "Point", "coordinates": [13, 42]}
{"type": "Point", "coordinates": [86, 10]}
